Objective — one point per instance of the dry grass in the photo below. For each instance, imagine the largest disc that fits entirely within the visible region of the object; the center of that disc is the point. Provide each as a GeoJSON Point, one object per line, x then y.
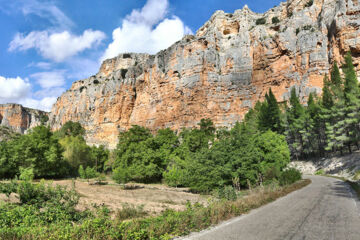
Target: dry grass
{"type": "Point", "coordinates": [154, 198]}
{"type": "Point", "coordinates": [197, 217]}
{"type": "Point", "coordinates": [253, 199]}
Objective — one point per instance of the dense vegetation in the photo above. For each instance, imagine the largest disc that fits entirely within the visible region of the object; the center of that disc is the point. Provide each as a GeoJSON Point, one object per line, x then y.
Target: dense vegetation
{"type": "Point", "coordinates": [325, 125]}
{"type": "Point", "coordinates": [201, 158]}
{"type": "Point", "coordinates": [50, 155]}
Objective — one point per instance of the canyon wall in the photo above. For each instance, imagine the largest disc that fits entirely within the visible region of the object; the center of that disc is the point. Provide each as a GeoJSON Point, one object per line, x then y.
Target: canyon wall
{"type": "Point", "coordinates": [19, 119]}
{"type": "Point", "coordinates": [219, 73]}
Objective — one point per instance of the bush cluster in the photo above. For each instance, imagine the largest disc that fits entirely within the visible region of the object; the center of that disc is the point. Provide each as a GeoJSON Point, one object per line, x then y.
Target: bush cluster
{"type": "Point", "coordinates": [275, 20]}
{"type": "Point", "coordinates": [49, 154]}
{"type": "Point", "coordinates": [309, 3]}
{"type": "Point", "coordinates": [260, 21]}
{"type": "Point", "coordinates": [202, 158]}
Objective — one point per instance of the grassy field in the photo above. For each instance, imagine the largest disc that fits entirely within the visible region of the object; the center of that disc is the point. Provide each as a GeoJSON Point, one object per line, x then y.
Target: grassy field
{"type": "Point", "coordinates": [153, 198]}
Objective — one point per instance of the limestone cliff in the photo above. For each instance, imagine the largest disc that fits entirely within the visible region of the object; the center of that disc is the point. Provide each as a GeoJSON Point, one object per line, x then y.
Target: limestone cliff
{"type": "Point", "coordinates": [219, 73]}
{"type": "Point", "coordinates": [18, 118]}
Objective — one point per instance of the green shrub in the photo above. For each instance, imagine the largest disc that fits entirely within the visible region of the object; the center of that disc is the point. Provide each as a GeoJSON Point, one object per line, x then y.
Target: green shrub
{"type": "Point", "coordinates": [320, 172]}
{"type": "Point", "coordinates": [88, 173]}
{"type": "Point", "coordinates": [129, 211]}
{"type": "Point", "coordinates": [81, 172]}
{"type": "Point", "coordinates": [26, 174]}
{"type": "Point", "coordinates": [290, 176]}
{"type": "Point", "coordinates": [101, 179]}
{"type": "Point", "coordinates": [40, 193]}
{"type": "Point", "coordinates": [307, 27]}
{"type": "Point", "coordinates": [121, 175]}
{"type": "Point", "coordinates": [309, 3]}
{"type": "Point", "coordinates": [174, 176]}
{"type": "Point", "coordinates": [275, 20]}
{"type": "Point", "coordinates": [91, 173]}
{"type": "Point", "coordinates": [260, 21]}
{"type": "Point", "coordinates": [8, 188]}
{"type": "Point", "coordinates": [297, 31]}
{"type": "Point", "coordinates": [227, 193]}
{"type": "Point", "coordinates": [272, 174]}
{"type": "Point", "coordinates": [357, 175]}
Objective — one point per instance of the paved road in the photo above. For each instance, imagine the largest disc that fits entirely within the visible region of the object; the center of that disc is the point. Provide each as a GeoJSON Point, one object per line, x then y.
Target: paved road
{"type": "Point", "coordinates": [326, 209]}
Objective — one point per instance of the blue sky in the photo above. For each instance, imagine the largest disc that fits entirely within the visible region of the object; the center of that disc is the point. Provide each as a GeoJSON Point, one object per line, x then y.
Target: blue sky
{"type": "Point", "coordinates": [46, 45]}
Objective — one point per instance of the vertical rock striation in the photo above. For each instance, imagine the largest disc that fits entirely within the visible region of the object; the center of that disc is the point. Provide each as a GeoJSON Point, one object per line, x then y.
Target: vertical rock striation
{"type": "Point", "coordinates": [219, 73]}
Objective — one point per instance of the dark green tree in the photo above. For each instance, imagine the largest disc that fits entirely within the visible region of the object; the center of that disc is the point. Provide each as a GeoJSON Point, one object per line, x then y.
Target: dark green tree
{"type": "Point", "coordinates": [269, 117]}
{"type": "Point", "coordinates": [352, 104]}
{"type": "Point", "coordinates": [327, 97]}
{"type": "Point", "coordinates": [71, 128]}
{"type": "Point", "coordinates": [295, 116]}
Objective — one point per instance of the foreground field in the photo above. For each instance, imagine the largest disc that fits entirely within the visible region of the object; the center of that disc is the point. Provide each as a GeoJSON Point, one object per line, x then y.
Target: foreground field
{"type": "Point", "coordinates": [154, 198]}
{"type": "Point", "coordinates": [47, 212]}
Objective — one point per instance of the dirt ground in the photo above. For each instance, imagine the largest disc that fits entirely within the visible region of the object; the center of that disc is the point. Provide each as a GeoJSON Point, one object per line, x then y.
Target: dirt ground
{"type": "Point", "coordinates": [154, 197]}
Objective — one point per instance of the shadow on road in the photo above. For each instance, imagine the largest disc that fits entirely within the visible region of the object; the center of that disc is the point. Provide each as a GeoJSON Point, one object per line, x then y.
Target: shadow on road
{"type": "Point", "coordinates": [341, 189]}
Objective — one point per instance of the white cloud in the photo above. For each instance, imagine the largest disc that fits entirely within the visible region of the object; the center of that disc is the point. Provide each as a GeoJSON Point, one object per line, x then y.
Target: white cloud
{"type": "Point", "coordinates": [147, 30]}
{"type": "Point", "coordinates": [53, 92]}
{"type": "Point", "coordinates": [153, 12]}
{"type": "Point", "coordinates": [44, 104]}
{"type": "Point", "coordinates": [44, 9]}
{"type": "Point", "coordinates": [13, 88]}
{"type": "Point", "coordinates": [56, 46]}
{"type": "Point", "coordinates": [49, 79]}
{"type": "Point", "coordinates": [42, 65]}
{"type": "Point", "coordinates": [18, 90]}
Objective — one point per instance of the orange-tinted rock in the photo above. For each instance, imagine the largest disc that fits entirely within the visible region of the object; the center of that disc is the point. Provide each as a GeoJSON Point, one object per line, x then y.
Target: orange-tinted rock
{"type": "Point", "coordinates": [19, 118]}
{"type": "Point", "coordinates": [219, 73]}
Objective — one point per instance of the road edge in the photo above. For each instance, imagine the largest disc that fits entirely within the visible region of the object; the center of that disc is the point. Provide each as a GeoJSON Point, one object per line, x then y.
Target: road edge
{"type": "Point", "coordinates": [242, 216]}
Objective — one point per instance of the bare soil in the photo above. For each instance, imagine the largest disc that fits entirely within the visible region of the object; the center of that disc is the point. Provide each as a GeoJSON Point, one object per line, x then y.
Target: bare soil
{"type": "Point", "coordinates": [154, 197]}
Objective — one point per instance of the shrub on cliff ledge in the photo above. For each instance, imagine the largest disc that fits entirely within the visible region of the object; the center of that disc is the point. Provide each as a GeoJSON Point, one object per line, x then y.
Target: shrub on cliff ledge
{"type": "Point", "coordinates": [260, 21]}
{"type": "Point", "coordinates": [309, 3]}
{"type": "Point", "coordinates": [275, 20]}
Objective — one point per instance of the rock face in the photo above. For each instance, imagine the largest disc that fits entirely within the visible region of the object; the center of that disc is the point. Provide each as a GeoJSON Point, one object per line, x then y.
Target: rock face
{"type": "Point", "coordinates": [347, 166]}
{"type": "Point", "coordinates": [18, 118]}
{"type": "Point", "coordinates": [219, 73]}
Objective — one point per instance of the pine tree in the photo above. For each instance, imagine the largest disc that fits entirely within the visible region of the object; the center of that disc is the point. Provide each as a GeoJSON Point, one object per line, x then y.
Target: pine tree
{"type": "Point", "coordinates": [352, 104]}
{"type": "Point", "coordinates": [327, 98]}
{"type": "Point", "coordinates": [269, 114]}
{"type": "Point", "coordinates": [342, 120]}
{"type": "Point", "coordinates": [312, 132]}
{"type": "Point", "coordinates": [295, 116]}
{"type": "Point", "coordinates": [336, 83]}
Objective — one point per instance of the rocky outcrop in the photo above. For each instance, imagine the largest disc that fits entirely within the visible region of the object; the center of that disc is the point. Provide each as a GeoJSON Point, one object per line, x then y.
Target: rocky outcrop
{"type": "Point", "coordinates": [347, 166]}
{"type": "Point", "coordinates": [19, 119]}
{"type": "Point", "coordinates": [219, 73]}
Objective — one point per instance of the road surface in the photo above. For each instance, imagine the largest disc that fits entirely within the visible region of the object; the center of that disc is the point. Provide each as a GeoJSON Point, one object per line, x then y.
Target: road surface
{"type": "Point", "coordinates": [326, 209]}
